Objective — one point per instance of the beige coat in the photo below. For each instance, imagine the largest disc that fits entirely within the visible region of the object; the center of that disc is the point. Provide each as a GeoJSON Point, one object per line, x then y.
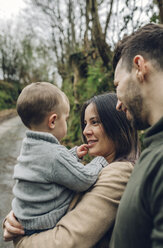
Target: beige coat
{"type": "Point", "coordinates": [91, 217]}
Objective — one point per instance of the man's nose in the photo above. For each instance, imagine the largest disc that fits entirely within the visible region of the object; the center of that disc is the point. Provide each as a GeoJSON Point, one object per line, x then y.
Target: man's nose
{"type": "Point", "coordinates": [119, 105]}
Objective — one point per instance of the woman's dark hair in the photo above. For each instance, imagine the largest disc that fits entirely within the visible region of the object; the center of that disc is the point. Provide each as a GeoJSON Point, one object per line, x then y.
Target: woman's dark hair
{"type": "Point", "coordinates": [115, 124]}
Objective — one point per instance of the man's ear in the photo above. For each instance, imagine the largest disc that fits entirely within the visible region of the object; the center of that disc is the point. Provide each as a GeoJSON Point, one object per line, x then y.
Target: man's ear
{"type": "Point", "coordinates": [52, 120]}
{"type": "Point", "coordinates": [140, 66]}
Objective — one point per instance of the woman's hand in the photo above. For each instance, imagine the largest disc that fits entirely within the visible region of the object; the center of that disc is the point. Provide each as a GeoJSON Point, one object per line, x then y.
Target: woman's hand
{"type": "Point", "coordinates": [82, 150]}
{"type": "Point", "coordinates": [12, 228]}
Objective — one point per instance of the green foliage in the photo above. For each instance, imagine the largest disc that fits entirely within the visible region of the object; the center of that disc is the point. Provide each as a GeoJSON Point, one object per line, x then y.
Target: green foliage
{"type": "Point", "coordinates": [5, 100]}
{"type": "Point", "coordinates": [24, 58]}
{"type": "Point", "coordinates": [155, 18]}
{"type": "Point", "coordinates": [73, 137]}
{"type": "Point", "coordinates": [8, 94]}
{"type": "Point", "coordinates": [98, 81]}
{"type": "Point", "coordinates": [141, 135]}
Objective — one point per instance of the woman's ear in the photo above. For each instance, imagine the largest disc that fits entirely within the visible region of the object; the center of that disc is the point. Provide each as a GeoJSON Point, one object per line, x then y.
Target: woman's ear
{"type": "Point", "coordinates": [140, 66]}
{"type": "Point", "coordinates": [52, 120]}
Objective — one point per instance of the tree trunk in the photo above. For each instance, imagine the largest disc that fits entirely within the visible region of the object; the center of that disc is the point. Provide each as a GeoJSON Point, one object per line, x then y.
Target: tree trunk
{"type": "Point", "coordinates": [98, 35]}
{"type": "Point", "coordinates": [160, 6]}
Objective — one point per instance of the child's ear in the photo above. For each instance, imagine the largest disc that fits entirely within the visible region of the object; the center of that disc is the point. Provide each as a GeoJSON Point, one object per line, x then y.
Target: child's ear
{"type": "Point", "coordinates": [51, 121]}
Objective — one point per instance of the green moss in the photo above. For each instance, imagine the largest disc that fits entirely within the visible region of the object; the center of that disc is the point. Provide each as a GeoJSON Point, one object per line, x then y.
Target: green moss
{"type": "Point", "coordinates": [8, 94]}
{"type": "Point", "coordinates": [98, 81]}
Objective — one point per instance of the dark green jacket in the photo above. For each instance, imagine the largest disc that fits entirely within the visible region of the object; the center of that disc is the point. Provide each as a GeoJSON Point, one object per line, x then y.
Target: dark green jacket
{"type": "Point", "coordinates": [139, 222]}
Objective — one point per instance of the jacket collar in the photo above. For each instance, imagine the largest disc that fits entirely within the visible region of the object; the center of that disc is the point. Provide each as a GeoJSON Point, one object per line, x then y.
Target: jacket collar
{"type": "Point", "coordinates": [154, 134]}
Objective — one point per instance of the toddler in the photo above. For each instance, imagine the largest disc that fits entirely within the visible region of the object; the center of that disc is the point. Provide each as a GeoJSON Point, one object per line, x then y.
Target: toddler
{"type": "Point", "coordinates": [47, 174]}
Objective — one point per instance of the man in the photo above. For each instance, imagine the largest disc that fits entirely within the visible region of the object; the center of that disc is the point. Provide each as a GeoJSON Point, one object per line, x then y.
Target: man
{"type": "Point", "coordinates": [138, 64]}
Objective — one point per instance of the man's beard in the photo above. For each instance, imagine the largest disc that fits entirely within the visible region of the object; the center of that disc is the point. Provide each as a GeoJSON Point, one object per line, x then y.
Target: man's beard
{"type": "Point", "coordinates": [138, 113]}
{"type": "Point", "coordinates": [138, 123]}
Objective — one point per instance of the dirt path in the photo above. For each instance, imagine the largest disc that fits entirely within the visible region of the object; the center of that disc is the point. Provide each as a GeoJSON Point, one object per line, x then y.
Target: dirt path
{"type": "Point", "coordinates": [11, 134]}
{"type": "Point", "coordinates": [6, 114]}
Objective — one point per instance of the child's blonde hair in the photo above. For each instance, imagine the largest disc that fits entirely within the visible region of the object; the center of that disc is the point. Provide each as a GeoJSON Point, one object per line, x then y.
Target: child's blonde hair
{"type": "Point", "coordinates": [37, 100]}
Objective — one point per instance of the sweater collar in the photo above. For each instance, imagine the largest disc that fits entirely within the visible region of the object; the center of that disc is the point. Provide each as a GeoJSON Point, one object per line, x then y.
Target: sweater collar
{"type": "Point", "coordinates": [42, 136]}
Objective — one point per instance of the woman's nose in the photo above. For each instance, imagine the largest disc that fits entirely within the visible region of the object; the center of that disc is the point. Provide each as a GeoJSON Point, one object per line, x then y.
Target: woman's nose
{"type": "Point", "coordinates": [87, 131]}
{"type": "Point", "coordinates": [119, 105]}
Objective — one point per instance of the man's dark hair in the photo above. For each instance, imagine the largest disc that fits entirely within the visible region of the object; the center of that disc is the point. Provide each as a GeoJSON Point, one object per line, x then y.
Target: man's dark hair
{"type": "Point", "coordinates": [146, 41]}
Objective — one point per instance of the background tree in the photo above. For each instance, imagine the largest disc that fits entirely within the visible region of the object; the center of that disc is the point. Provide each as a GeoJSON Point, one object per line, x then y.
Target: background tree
{"type": "Point", "coordinates": [70, 43]}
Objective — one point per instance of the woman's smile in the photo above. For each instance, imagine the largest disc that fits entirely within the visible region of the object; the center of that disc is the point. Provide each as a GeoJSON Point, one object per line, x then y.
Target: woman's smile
{"type": "Point", "coordinates": [99, 143]}
{"type": "Point", "coordinates": [91, 142]}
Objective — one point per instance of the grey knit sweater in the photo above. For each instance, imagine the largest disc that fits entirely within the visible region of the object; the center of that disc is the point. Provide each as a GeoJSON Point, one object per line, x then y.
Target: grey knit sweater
{"type": "Point", "coordinates": [47, 175]}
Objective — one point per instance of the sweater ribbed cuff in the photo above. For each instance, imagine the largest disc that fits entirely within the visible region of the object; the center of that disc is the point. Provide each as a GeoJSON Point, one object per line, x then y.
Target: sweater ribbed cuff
{"type": "Point", "coordinates": [100, 160]}
{"type": "Point", "coordinates": [46, 221]}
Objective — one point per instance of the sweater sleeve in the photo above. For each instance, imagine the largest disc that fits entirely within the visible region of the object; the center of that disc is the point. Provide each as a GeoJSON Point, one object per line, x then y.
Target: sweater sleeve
{"type": "Point", "coordinates": [72, 174]}
{"type": "Point", "coordinates": [73, 151]}
{"type": "Point", "coordinates": [84, 226]}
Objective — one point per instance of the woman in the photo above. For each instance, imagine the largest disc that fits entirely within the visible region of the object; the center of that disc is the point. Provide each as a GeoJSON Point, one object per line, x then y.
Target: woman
{"type": "Point", "coordinates": [91, 216]}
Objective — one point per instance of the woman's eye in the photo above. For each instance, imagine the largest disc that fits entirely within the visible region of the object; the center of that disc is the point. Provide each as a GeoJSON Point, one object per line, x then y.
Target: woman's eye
{"type": "Point", "coordinates": [95, 122]}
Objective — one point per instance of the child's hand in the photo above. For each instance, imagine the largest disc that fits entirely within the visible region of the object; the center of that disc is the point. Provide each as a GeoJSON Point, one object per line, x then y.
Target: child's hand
{"type": "Point", "coordinates": [82, 150]}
